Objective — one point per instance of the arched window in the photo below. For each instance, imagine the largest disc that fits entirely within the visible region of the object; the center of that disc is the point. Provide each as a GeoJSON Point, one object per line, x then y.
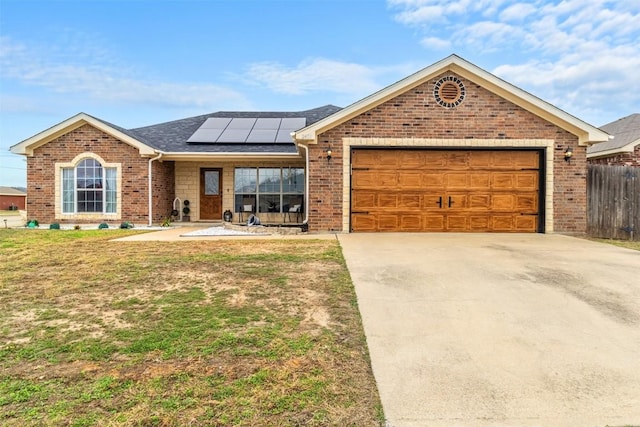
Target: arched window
{"type": "Point", "coordinates": [89, 188]}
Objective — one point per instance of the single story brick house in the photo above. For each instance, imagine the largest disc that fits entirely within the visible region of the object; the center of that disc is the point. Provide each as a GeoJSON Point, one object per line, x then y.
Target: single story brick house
{"type": "Point", "coordinates": [449, 148]}
{"type": "Point", "coordinates": [12, 199]}
{"type": "Point", "coordinates": [623, 149]}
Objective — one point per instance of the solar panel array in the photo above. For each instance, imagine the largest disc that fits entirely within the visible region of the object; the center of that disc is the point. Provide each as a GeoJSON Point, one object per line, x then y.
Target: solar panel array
{"type": "Point", "coordinates": [239, 130]}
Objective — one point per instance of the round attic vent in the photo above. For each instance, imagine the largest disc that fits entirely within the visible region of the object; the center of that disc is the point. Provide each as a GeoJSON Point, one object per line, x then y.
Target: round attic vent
{"type": "Point", "coordinates": [449, 92]}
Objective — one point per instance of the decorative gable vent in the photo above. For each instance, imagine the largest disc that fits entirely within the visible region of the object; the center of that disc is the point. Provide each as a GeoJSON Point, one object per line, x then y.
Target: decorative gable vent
{"type": "Point", "coordinates": [449, 92]}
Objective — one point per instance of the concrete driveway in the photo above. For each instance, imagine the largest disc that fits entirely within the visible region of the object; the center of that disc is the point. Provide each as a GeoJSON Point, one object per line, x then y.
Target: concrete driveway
{"type": "Point", "coordinates": [495, 329]}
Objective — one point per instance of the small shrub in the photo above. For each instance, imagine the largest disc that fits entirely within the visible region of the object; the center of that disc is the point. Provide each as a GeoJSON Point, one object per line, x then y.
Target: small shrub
{"type": "Point", "coordinates": [166, 222]}
{"type": "Point", "coordinates": [76, 227]}
{"type": "Point", "coordinates": [103, 226]}
{"type": "Point", "coordinates": [126, 225]}
{"type": "Point", "coordinates": [54, 226]}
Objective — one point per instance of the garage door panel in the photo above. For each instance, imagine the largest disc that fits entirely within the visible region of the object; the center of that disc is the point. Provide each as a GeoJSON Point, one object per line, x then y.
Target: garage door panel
{"type": "Point", "coordinates": [527, 181]}
{"type": "Point", "coordinates": [434, 159]}
{"type": "Point", "coordinates": [432, 202]}
{"type": "Point", "coordinates": [457, 222]}
{"type": "Point", "coordinates": [433, 180]}
{"type": "Point", "coordinates": [374, 179]}
{"type": "Point", "coordinates": [480, 201]}
{"type": "Point", "coordinates": [411, 222]}
{"type": "Point", "coordinates": [433, 222]}
{"type": "Point", "coordinates": [363, 222]}
{"type": "Point", "coordinates": [364, 201]}
{"type": "Point", "coordinates": [408, 179]}
{"type": "Point", "coordinates": [411, 159]}
{"type": "Point", "coordinates": [455, 181]}
{"type": "Point", "coordinates": [445, 190]}
{"type": "Point", "coordinates": [479, 223]}
{"type": "Point", "coordinates": [479, 180]}
{"type": "Point", "coordinates": [526, 223]}
{"type": "Point", "coordinates": [456, 201]}
{"type": "Point", "coordinates": [388, 201]}
{"type": "Point", "coordinates": [481, 160]}
{"type": "Point", "coordinates": [410, 201]}
{"type": "Point", "coordinates": [457, 160]}
{"type": "Point", "coordinates": [388, 222]}
{"type": "Point", "coordinates": [526, 203]}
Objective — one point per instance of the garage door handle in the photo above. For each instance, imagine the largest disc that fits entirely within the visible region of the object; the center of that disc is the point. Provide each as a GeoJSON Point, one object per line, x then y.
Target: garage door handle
{"type": "Point", "coordinates": [450, 201]}
{"type": "Point", "coordinates": [439, 202]}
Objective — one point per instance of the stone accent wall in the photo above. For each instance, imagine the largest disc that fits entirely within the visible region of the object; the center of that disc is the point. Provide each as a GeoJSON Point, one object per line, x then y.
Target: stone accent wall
{"type": "Point", "coordinates": [622, 159]}
{"type": "Point", "coordinates": [415, 114]}
{"type": "Point", "coordinates": [41, 170]}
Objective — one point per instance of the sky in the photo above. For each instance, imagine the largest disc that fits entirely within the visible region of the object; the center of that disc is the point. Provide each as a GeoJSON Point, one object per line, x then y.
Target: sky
{"type": "Point", "coordinates": [140, 62]}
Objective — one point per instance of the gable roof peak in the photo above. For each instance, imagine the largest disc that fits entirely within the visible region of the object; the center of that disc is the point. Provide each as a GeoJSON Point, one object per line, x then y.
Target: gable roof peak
{"type": "Point", "coordinates": [585, 132]}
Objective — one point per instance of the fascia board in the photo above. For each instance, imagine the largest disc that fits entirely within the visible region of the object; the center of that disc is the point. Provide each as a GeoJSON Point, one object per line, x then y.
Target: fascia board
{"type": "Point", "coordinates": [27, 146]}
{"type": "Point", "coordinates": [197, 156]}
{"type": "Point", "coordinates": [629, 148]}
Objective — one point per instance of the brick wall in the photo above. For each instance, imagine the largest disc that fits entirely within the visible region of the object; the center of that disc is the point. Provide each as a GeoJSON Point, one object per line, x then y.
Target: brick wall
{"type": "Point", "coordinates": [622, 159]}
{"type": "Point", "coordinates": [415, 114]}
{"type": "Point", "coordinates": [87, 139]}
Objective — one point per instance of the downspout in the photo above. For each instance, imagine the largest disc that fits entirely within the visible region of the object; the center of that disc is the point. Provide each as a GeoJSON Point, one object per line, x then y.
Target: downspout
{"type": "Point", "coordinates": [151, 190]}
{"type": "Point", "coordinates": [306, 184]}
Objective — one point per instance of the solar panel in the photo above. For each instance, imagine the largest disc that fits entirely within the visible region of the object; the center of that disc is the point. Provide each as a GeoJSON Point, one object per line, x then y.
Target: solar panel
{"type": "Point", "coordinates": [216, 123]}
{"type": "Point", "coordinates": [234, 135]}
{"type": "Point", "coordinates": [238, 130]}
{"type": "Point", "coordinates": [258, 136]}
{"type": "Point", "coordinates": [268, 123]}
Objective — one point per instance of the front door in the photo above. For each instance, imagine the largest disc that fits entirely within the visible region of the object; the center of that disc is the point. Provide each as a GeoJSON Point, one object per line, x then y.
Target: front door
{"type": "Point", "coordinates": [210, 194]}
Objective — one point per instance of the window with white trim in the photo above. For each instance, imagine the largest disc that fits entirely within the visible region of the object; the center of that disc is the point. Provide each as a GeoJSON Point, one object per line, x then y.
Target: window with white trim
{"type": "Point", "coordinates": [268, 189]}
{"type": "Point", "coordinates": [89, 188]}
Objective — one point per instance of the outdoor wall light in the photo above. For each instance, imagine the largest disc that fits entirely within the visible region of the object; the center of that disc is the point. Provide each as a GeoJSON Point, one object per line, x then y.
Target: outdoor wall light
{"type": "Point", "coordinates": [329, 154]}
{"type": "Point", "coordinates": [568, 153]}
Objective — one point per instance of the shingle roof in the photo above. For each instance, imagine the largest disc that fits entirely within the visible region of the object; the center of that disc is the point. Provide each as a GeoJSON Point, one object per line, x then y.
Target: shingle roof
{"type": "Point", "coordinates": [171, 137]}
{"type": "Point", "coordinates": [625, 131]}
{"type": "Point", "coordinates": [10, 191]}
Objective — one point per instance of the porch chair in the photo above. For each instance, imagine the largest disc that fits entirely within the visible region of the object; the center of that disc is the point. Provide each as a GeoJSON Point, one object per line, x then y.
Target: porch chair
{"type": "Point", "coordinates": [245, 209]}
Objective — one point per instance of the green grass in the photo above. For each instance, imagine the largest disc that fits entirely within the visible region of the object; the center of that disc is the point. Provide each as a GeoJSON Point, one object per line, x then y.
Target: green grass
{"type": "Point", "coordinates": [622, 243]}
{"type": "Point", "coordinates": [199, 333]}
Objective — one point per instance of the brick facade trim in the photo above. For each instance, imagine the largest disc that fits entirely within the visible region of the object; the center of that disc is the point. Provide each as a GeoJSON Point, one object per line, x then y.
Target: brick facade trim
{"type": "Point", "coordinates": [348, 143]}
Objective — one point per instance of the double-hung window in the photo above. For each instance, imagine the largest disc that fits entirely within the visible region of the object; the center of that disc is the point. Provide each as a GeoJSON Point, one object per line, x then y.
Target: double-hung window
{"type": "Point", "coordinates": [89, 188]}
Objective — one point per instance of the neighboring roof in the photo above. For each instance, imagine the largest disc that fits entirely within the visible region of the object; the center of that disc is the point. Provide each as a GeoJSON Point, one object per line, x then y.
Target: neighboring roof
{"type": "Point", "coordinates": [585, 132]}
{"type": "Point", "coordinates": [10, 191]}
{"type": "Point", "coordinates": [171, 137]}
{"type": "Point", "coordinates": [626, 135]}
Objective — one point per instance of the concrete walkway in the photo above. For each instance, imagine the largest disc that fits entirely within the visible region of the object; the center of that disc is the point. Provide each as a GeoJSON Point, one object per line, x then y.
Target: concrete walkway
{"type": "Point", "coordinates": [177, 235]}
{"type": "Point", "coordinates": [500, 330]}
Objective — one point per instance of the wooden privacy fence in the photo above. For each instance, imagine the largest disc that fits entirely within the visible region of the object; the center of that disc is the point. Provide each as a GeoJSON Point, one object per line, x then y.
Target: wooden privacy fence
{"type": "Point", "coordinates": [613, 202]}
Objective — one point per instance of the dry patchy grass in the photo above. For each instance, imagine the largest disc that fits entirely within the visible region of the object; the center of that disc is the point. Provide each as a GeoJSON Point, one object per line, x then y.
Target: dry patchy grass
{"type": "Point", "coordinates": [215, 333]}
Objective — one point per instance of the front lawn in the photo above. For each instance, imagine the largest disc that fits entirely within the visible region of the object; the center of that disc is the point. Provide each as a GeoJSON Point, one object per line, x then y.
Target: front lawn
{"type": "Point", "coordinates": [198, 333]}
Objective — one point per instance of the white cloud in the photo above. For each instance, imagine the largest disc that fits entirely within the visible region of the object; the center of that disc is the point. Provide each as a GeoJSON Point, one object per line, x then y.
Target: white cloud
{"type": "Point", "coordinates": [435, 43]}
{"type": "Point", "coordinates": [78, 71]}
{"type": "Point", "coordinates": [579, 46]}
{"type": "Point", "coordinates": [517, 12]}
{"type": "Point", "coordinates": [316, 75]}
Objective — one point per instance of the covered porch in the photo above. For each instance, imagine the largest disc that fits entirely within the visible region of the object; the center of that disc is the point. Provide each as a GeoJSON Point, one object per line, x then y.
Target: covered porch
{"type": "Point", "coordinates": [239, 191]}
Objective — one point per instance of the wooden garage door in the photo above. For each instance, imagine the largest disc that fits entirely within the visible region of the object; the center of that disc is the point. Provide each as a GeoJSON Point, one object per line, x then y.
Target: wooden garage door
{"type": "Point", "coordinates": [448, 190]}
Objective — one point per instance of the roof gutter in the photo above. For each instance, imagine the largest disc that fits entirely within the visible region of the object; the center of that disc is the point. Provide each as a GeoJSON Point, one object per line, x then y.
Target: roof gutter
{"type": "Point", "coordinates": [306, 183]}
{"type": "Point", "coordinates": [229, 155]}
{"type": "Point", "coordinates": [151, 187]}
